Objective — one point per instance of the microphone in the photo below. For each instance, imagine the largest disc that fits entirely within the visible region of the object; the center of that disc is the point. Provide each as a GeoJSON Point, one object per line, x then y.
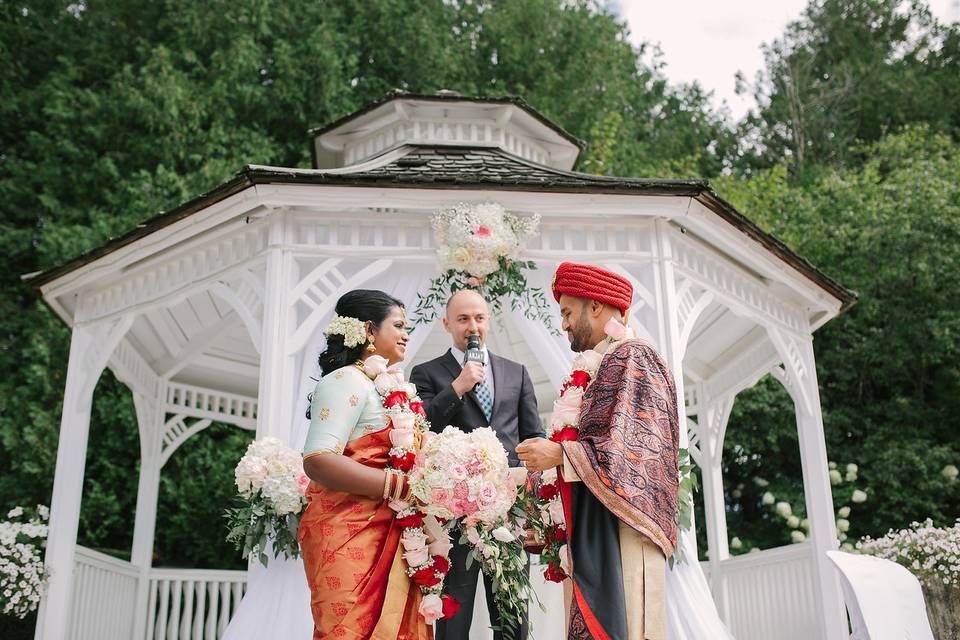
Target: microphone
{"type": "Point", "coordinates": [474, 353]}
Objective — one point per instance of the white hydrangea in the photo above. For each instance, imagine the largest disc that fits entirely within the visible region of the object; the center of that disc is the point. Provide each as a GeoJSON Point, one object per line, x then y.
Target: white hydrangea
{"type": "Point", "coordinates": [736, 543]}
{"type": "Point", "coordinates": [793, 522]}
{"type": "Point", "coordinates": [835, 477]}
{"type": "Point", "coordinates": [783, 509]}
{"type": "Point", "coordinates": [797, 536]}
{"type": "Point", "coordinates": [859, 496]}
{"type": "Point", "coordinates": [768, 498]}
{"type": "Point", "coordinates": [950, 472]}
{"type": "Point", "coordinates": [843, 525]}
{"type": "Point", "coordinates": [844, 512]}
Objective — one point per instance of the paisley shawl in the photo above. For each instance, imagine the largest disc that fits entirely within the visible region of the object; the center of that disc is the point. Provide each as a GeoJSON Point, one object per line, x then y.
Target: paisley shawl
{"type": "Point", "coordinates": [626, 452]}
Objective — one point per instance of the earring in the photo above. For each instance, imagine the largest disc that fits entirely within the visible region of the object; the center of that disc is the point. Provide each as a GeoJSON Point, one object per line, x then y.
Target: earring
{"type": "Point", "coordinates": [370, 347]}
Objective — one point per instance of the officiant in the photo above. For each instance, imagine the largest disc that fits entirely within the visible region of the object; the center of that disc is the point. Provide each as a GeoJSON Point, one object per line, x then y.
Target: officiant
{"type": "Point", "coordinates": [469, 387]}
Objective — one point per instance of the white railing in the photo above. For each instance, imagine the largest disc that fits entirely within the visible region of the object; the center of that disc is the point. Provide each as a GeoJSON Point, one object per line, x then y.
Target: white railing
{"type": "Point", "coordinates": [192, 604]}
{"type": "Point", "coordinates": [770, 595]}
{"type": "Point", "coordinates": [104, 597]}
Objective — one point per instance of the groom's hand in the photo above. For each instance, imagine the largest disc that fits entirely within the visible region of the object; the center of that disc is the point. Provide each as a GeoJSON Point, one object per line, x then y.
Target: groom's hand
{"type": "Point", "coordinates": [540, 454]}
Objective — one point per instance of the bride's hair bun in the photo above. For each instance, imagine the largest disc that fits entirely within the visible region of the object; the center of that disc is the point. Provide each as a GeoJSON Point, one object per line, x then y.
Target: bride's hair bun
{"type": "Point", "coordinates": [366, 305]}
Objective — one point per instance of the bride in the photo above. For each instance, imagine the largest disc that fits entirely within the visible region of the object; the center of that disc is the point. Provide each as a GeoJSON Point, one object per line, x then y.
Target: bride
{"type": "Point", "coordinates": [350, 593]}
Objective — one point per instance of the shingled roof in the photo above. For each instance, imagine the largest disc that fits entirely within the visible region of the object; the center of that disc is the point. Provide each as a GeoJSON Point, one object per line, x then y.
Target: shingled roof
{"type": "Point", "coordinates": [450, 167]}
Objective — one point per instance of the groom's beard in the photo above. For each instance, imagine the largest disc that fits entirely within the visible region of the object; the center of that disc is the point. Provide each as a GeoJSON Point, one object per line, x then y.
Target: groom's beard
{"type": "Point", "coordinates": [580, 333]}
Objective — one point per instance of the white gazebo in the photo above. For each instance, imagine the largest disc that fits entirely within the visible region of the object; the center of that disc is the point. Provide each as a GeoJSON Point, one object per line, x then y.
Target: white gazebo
{"type": "Point", "coordinates": [209, 313]}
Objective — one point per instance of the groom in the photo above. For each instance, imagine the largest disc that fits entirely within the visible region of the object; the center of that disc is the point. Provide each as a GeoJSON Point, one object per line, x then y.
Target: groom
{"type": "Point", "coordinates": [618, 477]}
{"type": "Point", "coordinates": [498, 394]}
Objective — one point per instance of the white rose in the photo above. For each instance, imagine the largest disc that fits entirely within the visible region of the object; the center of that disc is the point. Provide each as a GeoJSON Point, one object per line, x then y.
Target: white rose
{"type": "Point", "coordinates": [859, 496]}
{"type": "Point", "coordinates": [844, 512]}
{"type": "Point", "coordinates": [473, 537]}
{"type": "Point", "coordinates": [797, 536]}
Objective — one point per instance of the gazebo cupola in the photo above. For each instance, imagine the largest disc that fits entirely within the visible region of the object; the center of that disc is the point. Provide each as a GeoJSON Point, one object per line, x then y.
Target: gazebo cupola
{"type": "Point", "coordinates": [444, 119]}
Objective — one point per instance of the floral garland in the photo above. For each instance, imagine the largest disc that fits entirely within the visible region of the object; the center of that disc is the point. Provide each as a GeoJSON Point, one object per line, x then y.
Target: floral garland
{"type": "Point", "coordinates": [478, 246]}
{"type": "Point", "coordinates": [426, 545]}
{"type": "Point", "coordinates": [564, 426]}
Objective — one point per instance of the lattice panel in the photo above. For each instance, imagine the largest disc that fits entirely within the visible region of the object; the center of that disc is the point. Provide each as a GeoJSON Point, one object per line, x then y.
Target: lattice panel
{"type": "Point", "coordinates": [178, 430]}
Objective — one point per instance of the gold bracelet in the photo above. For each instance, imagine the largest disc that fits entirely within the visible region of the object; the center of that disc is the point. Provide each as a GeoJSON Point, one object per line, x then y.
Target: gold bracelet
{"type": "Point", "coordinates": [387, 487]}
{"type": "Point", "coordinates": [398, 490]}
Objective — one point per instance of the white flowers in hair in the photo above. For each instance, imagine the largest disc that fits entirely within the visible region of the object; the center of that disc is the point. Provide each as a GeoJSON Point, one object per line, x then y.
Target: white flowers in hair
{"type": "Point", "coordinates": [354, 331]}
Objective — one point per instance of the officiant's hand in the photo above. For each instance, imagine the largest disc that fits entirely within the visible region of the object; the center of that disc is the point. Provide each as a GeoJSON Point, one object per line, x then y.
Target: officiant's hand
{"type": "Point", "coordinates": [540, 454]}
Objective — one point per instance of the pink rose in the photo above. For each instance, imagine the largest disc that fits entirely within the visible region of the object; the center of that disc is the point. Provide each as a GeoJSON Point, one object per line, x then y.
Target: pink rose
{"type": "Point", "coordinates": [431, 608]}
{"type": "Point", "coordinates": [482, 230]}
{"type": "Point", "coordinates": [566, 410]}
{"type": "Point", "coordinates": [403, 420]}
{"type": "Point", "coordinates": [413, 543]}
{"type": "Point", "coordinates": [588, 360]}
{"type": "Point", "coordinates": [488, 493]}
{"type": "Point", "coordinates": [388, 381]}
{"type": "Point", "coordinates": [402, 439]}
{"type": "Point", "coordinates": [302, 482]}
{"type": "Point", "coordinates": [615, 328]}
{"type": "Point", "coordinates": [417, 557]}
{"type": "Point", "coordinates": [458, 472]}
{"type": "Point", "coordinates": [556, 511]}
{"type": "Point", "coordinates": [440, 496]}
{"type": "Point", "coordinates": [374, 366]}
{"type": "Point", "coordinates": [433, 528]}
{"type": "Point", "coordinates": [564, 554]}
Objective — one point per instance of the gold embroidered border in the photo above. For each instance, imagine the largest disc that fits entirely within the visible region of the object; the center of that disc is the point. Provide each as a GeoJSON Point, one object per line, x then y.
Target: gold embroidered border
{"type": "Point", "coordinates": [620, 507]}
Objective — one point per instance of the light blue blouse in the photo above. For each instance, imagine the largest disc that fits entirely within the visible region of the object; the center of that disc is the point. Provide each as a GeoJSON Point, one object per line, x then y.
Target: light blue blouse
{"type": "Point", "coordinates": [345, 406]}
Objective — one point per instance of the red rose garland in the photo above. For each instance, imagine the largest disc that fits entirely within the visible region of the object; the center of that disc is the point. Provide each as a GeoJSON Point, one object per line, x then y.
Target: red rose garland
{"type": "Point", "coordinates": [426, 545]}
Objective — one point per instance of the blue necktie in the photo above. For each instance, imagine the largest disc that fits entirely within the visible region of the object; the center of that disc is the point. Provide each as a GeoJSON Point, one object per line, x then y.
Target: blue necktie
{"type": "Point", "coordinates": [485, 398]}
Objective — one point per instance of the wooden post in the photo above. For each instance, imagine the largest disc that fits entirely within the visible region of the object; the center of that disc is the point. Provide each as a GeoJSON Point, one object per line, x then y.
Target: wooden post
{"type": "Point", "coordinates": [712, 423]}
{"type": "Point", "coordinates": [150, 420]}
{"type": "Point", "coordinates": [90, 348]}
{"type": "Point", "coordinates": [819, 499]}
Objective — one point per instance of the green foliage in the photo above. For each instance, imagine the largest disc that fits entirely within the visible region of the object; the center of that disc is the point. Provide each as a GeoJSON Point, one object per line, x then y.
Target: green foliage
{"type": "Point", "coordinates": [115, 111]}
{"type": "Point", "coordinates": [888, 371]}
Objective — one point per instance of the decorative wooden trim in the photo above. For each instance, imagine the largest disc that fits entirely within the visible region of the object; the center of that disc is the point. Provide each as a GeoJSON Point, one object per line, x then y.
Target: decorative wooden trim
{"type": "Point", "coordinates": [219, 406]}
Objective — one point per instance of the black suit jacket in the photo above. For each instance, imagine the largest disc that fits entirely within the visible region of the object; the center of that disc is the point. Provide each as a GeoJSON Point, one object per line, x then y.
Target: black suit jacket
{"type": "Point", "coordinates": [515, 417]}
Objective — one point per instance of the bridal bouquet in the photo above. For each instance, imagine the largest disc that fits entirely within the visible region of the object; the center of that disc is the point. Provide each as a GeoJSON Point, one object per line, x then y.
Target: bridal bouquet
{"type": "Point", "coordinates": [22, 572]}
{"type": "Point", "coordinates": [465, 478]}
{"type": "Point", "coordinates": [271, 486]}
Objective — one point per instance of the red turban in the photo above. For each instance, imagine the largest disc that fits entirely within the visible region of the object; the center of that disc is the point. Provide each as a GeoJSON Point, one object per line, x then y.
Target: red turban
{"type": "Point", "coordinates": [595, 283]}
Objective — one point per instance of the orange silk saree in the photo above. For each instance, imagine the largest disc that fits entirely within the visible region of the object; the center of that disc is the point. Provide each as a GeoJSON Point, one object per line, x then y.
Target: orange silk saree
{"type": "Point", "coordinates": [351, 552]}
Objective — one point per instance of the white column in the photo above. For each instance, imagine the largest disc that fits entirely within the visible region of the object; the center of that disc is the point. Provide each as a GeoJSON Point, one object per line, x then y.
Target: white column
{"type": "Point", "coordinates": [150, 421]}
{"type": "Point", "coordinates": [712, 417]}
{"type": "Point", "coordinates": [277, 368]}
{"type": "Point", "coordinates": [819, 500]}
{"type": "Point", "coordinates": [90, 347]}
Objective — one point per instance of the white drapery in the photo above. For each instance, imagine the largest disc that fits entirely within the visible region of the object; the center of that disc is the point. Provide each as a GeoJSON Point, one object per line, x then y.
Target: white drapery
{"type": "Point", "coordinates": [277, 602]}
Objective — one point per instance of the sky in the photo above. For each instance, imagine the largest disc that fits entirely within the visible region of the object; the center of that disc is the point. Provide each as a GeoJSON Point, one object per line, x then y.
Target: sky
{"type": "Point", "coordinates": [708, 41]}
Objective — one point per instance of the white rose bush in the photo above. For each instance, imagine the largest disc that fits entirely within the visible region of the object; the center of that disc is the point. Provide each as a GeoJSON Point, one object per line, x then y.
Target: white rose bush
{"type": "Point", "coordinates": [23, 576]}
{"type": "Point", "coordinates": [271, 487]}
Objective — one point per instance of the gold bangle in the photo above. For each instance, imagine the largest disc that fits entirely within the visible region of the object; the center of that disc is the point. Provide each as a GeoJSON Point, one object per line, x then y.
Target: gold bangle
{"type": "Point", "coordinates": [387, 487]}
{"type": "Point", "coordinates": [398, 490]}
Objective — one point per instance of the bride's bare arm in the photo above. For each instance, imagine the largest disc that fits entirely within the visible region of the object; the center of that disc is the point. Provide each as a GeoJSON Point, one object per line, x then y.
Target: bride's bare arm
{"type": "Point", "coordinates": [340, 473]}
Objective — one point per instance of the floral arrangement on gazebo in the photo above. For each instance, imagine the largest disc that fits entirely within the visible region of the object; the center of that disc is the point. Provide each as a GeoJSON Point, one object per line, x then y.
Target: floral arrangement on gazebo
{"type": "Point", "coordinates": [478, 246]}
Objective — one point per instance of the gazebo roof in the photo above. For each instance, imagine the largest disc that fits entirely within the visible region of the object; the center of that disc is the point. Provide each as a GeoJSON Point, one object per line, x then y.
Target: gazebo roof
{"type": "Point", "coordinates": [459, 167]}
